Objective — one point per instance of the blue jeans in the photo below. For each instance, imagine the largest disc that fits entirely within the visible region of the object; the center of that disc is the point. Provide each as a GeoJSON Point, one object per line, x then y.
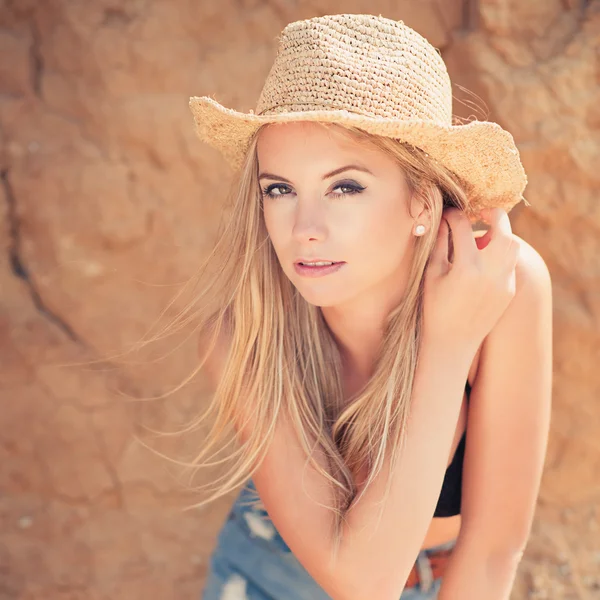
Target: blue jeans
{"type": "Point", "coordinates": [251, 561]}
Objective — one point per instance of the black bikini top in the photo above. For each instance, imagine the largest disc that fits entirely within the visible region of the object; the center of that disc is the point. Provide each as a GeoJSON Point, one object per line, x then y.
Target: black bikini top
{"type": "Point", "coordinates": [450, 497]}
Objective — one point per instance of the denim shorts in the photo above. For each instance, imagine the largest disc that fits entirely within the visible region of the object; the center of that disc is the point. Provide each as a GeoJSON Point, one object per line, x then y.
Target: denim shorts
{"type": "Point", "coordinates": [251, 561]}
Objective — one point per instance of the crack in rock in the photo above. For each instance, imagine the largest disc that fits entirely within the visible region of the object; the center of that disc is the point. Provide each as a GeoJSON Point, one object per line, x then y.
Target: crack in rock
{"type": "Point", "coordinates": [18, 267]}
{"type": "Point", "coordinates": [37, 62]}
{"type": "Point", "coordinates": [470, 16]}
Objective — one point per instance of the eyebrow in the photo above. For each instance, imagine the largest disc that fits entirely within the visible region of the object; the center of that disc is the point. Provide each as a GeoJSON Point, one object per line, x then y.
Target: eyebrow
{"type": "Point", "coordinates": [326, 176]}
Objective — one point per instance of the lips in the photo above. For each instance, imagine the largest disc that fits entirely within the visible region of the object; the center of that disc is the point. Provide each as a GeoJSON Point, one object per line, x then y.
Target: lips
{"type": "Point", "coordinates": [316, 260]}
{"type": "Point", "coordinates": [317, 270]}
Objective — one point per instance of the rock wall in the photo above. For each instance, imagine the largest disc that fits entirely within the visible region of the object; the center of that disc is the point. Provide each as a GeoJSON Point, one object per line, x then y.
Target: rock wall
{"type": "Point", "coordinates": [107, 204]}
{"type": "Point", "coordinates": [536, 65]}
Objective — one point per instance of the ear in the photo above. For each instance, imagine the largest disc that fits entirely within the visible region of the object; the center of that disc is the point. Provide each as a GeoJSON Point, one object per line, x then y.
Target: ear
{"type": "Point", "coordinates": [419, 210]}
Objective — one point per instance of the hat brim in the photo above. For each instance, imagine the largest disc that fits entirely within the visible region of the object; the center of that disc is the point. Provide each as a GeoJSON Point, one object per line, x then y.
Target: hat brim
{"type": "Point", "coordinates": [481, 154]}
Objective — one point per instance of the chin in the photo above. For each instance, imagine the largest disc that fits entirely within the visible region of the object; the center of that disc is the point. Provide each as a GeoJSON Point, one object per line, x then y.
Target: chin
{"type": "Point", "coordinates": [322, 300]}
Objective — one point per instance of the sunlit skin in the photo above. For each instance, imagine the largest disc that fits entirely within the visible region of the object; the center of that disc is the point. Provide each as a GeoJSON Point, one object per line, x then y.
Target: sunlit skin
{"type": "Point", "coordinates": [371, 229]}
{"type": "Point", "coordinates": [510, 373]}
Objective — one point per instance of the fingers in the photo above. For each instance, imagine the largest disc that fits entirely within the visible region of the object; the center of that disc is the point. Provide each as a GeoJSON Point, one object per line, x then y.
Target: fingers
{"type": "Point", "coordinates": [499, 223]}
{"type": "Point", "coordinates": [463, 241]}
{"type": "Point", "coordinates": [501, 242]}
{"type": "Point", "coordinates": [439, 262]}
{"type": "Point", "coordinates": [482, 241]}
{"type": "Point", "coordinates": [456, 243]}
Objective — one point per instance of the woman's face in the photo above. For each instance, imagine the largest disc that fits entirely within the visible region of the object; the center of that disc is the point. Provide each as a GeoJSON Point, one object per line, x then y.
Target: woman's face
{"type": "Point", "coordinates": [327, 196]}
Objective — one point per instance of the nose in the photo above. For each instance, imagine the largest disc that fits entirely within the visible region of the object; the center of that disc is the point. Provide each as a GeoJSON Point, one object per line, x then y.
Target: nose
{"type": "Point", "coordinates": [309, 221]}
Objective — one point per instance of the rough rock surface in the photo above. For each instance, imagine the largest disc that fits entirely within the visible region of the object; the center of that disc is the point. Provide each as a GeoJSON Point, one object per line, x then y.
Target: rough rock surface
{"type": "Point", "coordinates": [108, 201]}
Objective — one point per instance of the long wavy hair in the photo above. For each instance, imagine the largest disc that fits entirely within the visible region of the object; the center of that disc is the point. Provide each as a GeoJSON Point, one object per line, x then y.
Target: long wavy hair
{"type": "Point", "coordinates": [283, 358]}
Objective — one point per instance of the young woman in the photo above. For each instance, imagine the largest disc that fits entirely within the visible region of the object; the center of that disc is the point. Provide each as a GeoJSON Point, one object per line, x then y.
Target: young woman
{"type": "Point", "coordinates": [385, 372]}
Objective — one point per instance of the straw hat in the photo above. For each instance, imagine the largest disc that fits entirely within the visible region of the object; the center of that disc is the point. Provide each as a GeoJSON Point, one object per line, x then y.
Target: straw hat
{"type": "Point", "coordinates": [383, 77]}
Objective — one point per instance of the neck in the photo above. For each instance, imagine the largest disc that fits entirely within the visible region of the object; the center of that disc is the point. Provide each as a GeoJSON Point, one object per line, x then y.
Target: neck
{"type": "Point", "coordinates": [359, 335]}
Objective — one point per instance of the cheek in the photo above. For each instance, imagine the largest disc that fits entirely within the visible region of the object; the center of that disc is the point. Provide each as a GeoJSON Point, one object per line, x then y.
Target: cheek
{"type": "Point", "coordinates": [386, 235]}
{"type": "Point", "coordinates": [270, 223]}
{"type": "Point", "coordinates": [276, 229]}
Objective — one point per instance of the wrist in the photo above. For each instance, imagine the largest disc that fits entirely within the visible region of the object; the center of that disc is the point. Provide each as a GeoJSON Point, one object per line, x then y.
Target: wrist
{"type": "Point", "coordinates": [458, 353]}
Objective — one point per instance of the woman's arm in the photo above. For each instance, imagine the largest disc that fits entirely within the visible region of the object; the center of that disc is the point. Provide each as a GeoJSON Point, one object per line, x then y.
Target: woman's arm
{"type": "Point", "coordinates": [509, 419]}
{"type": "Point", "coordinates": [375, 558]}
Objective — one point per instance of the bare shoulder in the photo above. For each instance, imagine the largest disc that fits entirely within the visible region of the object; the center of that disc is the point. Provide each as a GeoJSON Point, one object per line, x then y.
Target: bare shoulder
{"type": "Point", "coordinates": [529, 313]}
{"type": "Point", "coordinates": [533, 291]}
{"type": "Point", "coordinates": [532, 274]}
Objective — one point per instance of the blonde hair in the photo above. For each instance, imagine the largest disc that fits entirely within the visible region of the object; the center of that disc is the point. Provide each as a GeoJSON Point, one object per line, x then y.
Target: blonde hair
{"type": "Point", "coordinates": [283, 358]}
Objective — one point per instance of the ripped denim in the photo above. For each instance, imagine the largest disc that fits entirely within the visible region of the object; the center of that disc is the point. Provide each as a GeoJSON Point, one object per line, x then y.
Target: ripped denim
{"type": "Point", "coordinates": [251, 561]}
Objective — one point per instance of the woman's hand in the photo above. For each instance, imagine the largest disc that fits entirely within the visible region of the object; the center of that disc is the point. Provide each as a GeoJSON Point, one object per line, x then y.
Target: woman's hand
{"type": "Point", "coordinates": [464, 299]}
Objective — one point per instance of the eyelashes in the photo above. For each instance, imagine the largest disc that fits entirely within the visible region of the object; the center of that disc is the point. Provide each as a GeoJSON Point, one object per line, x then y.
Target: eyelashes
{"type": "Point", "coordinates": [353, 188]}
{"type": "Point", "coordinates": [268, 191]}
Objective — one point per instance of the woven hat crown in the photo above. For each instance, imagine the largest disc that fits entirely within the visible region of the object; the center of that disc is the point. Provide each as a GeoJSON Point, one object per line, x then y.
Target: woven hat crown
{"type": "Point", "coordinates": [363, 64]}
{"type": "Point", "coordinates": [380, 76]}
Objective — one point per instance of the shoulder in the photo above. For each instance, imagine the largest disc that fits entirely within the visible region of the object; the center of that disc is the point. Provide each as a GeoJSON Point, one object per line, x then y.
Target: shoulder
{"type": "Point", "coordinates": [524, 330]}
{"type": "Point", "coordinates": [532, 273]}
{"type": "Point", "coordinates": [529, 310]}
{"type": "Point", "coordinates": [531, 306]}
{"type": "Point", "coordinates": [533, 294]}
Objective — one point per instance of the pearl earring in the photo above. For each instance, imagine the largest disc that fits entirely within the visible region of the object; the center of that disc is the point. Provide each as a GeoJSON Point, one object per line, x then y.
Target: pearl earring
{"type": "Point", "coordinates": [419, 229]}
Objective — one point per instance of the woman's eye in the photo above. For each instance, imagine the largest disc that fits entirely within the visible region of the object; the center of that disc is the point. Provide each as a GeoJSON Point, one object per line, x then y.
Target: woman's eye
{"type": "Point", "coordinates": [348, 188]}
{"type": "Point", "coordinates": [268, 191]}
{"type": "Point", "coordinates": [279, 189]}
